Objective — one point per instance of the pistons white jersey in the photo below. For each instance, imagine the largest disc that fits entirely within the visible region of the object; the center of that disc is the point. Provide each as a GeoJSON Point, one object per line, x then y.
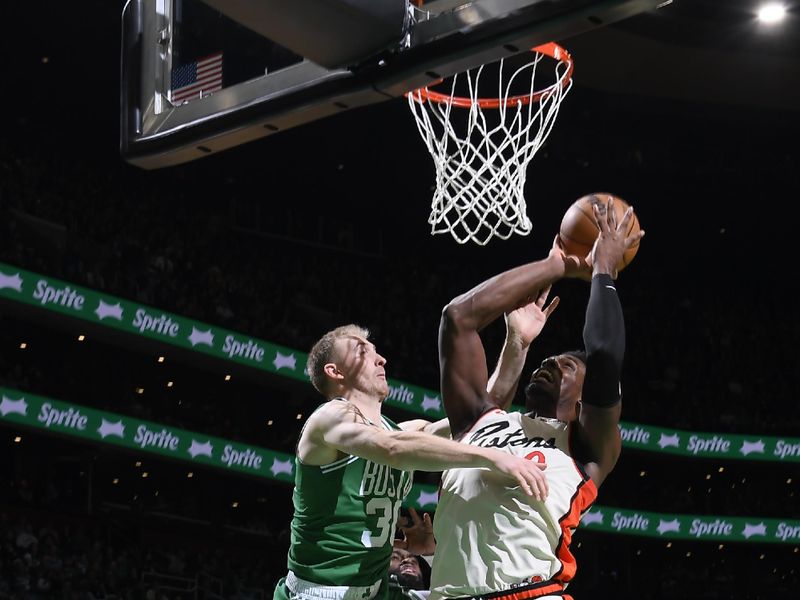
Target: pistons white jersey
{"type": "Point", "coordinates": [490, 535]}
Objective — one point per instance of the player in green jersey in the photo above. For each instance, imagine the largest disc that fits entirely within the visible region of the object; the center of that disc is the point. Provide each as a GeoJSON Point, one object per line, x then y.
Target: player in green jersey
{"type": "Point", "coordinates": [353, 469]}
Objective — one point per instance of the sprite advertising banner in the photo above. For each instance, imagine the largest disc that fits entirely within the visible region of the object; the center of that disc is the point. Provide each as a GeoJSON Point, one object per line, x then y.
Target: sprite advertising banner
{"type": "Point", "coordinates": [691, 527]}
{"type": "Point", "coordinates": [145, 321]}
{"type": "Point", "coordinates": [95, 426]}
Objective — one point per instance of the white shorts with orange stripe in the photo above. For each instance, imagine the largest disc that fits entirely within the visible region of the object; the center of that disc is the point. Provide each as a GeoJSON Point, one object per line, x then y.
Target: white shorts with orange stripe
{"type": "Point", "coordinates": [542, 590]}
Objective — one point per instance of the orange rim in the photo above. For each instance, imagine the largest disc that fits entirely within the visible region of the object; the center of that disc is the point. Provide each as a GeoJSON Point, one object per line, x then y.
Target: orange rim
{"type": "Point", "coordinates": [550, 49]}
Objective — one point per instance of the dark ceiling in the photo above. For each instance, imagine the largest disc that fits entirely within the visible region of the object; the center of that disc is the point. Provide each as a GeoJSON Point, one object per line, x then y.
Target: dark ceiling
{"type": "Point", "coordinates": [706, 50]}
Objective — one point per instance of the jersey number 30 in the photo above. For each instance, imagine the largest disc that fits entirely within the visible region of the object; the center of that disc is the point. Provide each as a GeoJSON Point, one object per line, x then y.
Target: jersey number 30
{"type": "Point", "coordinates": [386, 521]}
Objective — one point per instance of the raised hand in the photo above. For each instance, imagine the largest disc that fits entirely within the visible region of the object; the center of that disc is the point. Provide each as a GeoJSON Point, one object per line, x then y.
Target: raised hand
{"type": "Point", "coordinates": [574, 266]}
{"type": "Point", "coordinates": [611, 243]}
{"type": "Point", "coordinates": [525, 323]}
{"type": "Point", "coordinates": [417, 534]}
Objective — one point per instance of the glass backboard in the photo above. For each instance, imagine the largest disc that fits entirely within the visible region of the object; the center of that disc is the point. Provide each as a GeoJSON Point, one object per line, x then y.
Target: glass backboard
{"type": "Point", "coordinates": [196, 81]}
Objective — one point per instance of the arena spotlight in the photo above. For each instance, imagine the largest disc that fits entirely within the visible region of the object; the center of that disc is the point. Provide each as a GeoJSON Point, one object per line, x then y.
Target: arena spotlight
{"type": "Point", "coordinates": [772, 12]}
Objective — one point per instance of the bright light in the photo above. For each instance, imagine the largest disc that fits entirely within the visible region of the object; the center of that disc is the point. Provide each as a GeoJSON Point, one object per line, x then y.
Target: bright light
{"type": "Point", "coordinates": [81, 337]}
{"type": "Point", "coordinates": [771, 13]}
{"type": "Point", "coordinates": [17, 440]}
{"type": "Point", "coordinates": [227, 377]}
{"type": "Point", "coordinates": [23, 345]}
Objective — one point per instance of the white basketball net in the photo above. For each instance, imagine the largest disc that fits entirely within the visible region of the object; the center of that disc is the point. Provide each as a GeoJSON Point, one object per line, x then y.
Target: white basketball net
{"type": "Point", "coordinates": [481, 169]}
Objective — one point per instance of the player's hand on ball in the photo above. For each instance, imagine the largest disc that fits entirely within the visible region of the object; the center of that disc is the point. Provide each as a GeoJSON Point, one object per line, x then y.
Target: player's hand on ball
{"type": "Point", "coordinates": [612, 243]}
{"type": "Point", "coordinates": [574, 265]}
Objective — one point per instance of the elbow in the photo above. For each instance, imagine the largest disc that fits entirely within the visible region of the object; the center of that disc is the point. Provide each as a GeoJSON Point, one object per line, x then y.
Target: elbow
{"type": "Point", "coordinates": [456, 316]}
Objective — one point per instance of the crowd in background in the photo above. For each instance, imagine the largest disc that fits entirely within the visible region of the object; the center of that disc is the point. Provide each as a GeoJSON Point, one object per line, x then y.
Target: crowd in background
{"type": "Point", "coordinates": [710, 348]}
{"type": "Point", "coordinates": [696, 356]}
{"type": "Point", "coordinates": [49, 555]}
{"type": "Point", "coordinates": [76, 537]}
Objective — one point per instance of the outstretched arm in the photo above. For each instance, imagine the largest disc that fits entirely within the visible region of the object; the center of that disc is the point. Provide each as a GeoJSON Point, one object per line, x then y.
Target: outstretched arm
{"type": "Point", "coordinates": [598, 438]}
{"type": "Point", "coordinates": [523, 325]}
{"type": "Point", "coordinates": [440, 427]}
{"type": "Point", "coordinates": [337, 426]}
{"type": "Point", "coordinates": [462, 360]}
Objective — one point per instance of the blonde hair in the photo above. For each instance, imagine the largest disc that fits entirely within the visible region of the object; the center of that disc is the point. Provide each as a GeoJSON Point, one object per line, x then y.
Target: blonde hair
{"type": "Point", "coordinates": [322, 354]}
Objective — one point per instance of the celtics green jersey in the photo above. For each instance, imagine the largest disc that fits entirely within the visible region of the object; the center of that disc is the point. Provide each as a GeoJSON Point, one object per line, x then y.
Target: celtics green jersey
{"type": "Point", "coordinates": [345, 515]}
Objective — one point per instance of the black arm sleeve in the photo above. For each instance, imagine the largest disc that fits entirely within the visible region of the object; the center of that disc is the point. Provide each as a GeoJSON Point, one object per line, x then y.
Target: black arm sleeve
{"type": "Point", "coordinates": [604, 340]}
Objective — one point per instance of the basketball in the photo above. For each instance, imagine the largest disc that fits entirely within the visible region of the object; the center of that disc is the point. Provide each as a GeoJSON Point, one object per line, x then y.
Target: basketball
{"type": "Point", "coordinates": [579, 231]}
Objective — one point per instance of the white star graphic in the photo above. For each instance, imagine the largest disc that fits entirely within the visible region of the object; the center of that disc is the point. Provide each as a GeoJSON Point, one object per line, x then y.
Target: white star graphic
{"type": "Point", "coordinates": [9, 406]}
{"type": "Point", "coordinates": [113, 311]}
{"type": "Point", "coordinates": [196, 449]}
{"type": "Point", "coordinates": [281, 466]}
{"type": "Point", "coordinates": [107, 428]}
{"type": "Point", "coordinates": [281, 361]}
{"type": "Point", "coordinates": [201, 337]}
{"type": "Point", "coordinates": [13, 282]}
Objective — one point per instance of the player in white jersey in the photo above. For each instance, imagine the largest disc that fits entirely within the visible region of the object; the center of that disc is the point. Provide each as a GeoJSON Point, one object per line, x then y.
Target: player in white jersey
{"type": "Point", "coordinates": [492, 542]}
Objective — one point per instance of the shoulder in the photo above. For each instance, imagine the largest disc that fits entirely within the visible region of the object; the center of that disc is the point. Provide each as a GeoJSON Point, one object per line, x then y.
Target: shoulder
{"type": "Point", "coordinates": [327, 415]}
{"type": "Point", "coordinates": [312, 448]}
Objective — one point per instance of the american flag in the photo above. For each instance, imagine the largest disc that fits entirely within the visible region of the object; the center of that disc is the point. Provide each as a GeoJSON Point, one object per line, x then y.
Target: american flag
{"type": "Point", "coordinates": [197, 79]}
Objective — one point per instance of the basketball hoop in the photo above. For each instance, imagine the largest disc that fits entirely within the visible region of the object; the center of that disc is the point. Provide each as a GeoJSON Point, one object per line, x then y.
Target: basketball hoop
{"type": "Point", "coordinates": [481, 157]}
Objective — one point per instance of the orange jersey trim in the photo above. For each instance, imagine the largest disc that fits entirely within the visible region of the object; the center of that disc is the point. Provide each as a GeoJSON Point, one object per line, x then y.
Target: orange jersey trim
{"type": "Point", "coordinates": [534, 593]}
{"type": "Point", "coordinates": [581, 501]}
{"type": "Point", "coordinates": [535, 590]}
